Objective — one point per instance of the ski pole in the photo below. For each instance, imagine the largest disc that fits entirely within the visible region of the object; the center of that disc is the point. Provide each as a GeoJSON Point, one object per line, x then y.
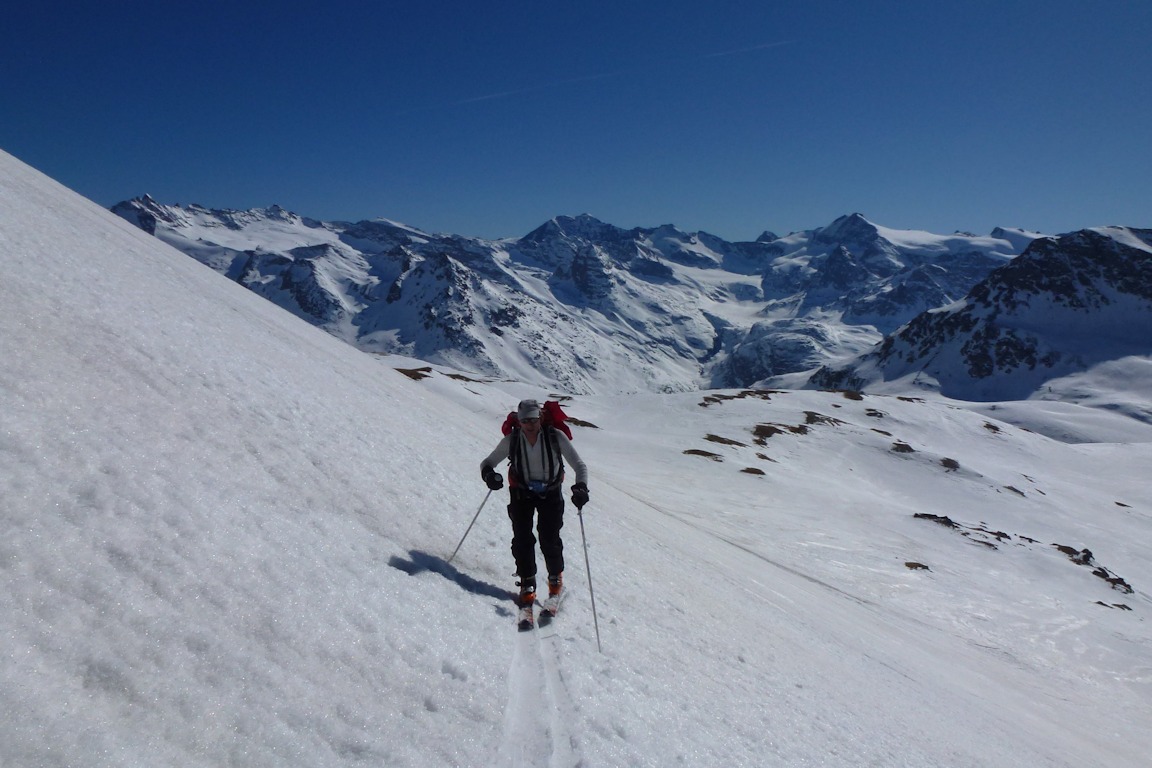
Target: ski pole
{"type": "Point", "coordinates": [469, 527]}
{"type": "Point", "coordinates": [588, 570]}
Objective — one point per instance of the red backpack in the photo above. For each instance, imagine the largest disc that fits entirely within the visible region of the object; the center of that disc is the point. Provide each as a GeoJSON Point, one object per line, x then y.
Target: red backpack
{"type": "Point", "coordinates": [551, 415]}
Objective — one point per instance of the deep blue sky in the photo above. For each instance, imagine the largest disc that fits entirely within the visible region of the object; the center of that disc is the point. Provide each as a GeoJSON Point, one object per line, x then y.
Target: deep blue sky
{"type": "Point", "coordinates": [489, 118]}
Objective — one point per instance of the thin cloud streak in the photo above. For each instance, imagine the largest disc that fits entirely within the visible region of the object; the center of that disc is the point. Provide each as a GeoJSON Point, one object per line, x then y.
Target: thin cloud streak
{"type": "Point", "coordinates": [761, 47]}
{"type": "Point", "coordinates": [530, 89]}
{"type": "Point", "coordinates": [591, 78]}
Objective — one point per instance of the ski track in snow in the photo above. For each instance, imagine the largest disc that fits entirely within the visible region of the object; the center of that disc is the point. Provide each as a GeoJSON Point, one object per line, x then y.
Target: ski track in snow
{"type": "Point", "coordinates": [539, 709]}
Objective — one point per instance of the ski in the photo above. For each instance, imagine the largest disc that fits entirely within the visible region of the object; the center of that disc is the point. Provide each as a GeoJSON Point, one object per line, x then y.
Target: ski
{"type": "Point", "coordinates": [525, 618]}
{"type": "Point", "coordinates": [549, 608]}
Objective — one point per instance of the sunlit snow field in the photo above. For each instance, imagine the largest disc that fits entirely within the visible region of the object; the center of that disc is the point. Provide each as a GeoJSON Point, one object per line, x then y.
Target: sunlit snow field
{"type": "Point", "coordinates": [224, 539]}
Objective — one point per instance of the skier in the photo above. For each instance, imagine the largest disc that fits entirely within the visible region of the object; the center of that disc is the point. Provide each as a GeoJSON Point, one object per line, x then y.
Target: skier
{"type": "Point", "coordinates": [536, 454]}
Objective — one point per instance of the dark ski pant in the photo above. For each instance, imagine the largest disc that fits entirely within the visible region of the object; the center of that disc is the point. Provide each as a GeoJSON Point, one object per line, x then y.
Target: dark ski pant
{"type": "Point", "coordinates": [549, 512]}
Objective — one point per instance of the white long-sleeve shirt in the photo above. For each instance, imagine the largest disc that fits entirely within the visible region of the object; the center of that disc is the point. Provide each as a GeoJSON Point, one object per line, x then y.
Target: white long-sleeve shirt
{"type": "Point", "coordinates": [535, 469]}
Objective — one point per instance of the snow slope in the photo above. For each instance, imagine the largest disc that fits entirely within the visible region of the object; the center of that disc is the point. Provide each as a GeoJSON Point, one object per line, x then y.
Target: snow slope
{"type": "Point", "coordinates": [224, 536]}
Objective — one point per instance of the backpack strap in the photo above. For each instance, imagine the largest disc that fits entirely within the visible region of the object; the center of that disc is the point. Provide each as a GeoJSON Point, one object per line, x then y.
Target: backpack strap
{"type": "Point", "coordinates": [518, 459]}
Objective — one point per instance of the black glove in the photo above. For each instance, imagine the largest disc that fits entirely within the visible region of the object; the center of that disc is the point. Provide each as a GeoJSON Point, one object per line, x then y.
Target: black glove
{"type": "Point", "coordinates": [579, 495]}
{"type": "Point", "coordinates": [492, 478]}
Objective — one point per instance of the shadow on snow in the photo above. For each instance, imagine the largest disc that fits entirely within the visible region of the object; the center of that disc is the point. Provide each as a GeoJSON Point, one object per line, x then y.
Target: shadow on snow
{"type": "Point", "coordinates": [419, 562]}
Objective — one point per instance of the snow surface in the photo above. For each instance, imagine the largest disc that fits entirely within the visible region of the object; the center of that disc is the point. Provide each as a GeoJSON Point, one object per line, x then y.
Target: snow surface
{"type": "Point", "coordinates": [225, 536]}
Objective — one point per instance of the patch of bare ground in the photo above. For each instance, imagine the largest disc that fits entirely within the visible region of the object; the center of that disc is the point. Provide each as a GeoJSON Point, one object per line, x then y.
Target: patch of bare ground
{"type": "Point", "coordinates": [705, 454]}
{"type": "Point", "coordinates": [981, 534]}
{"type": "Point", "coordinates": [812, 417]}
{"type": "Point", "coordinates": [760, 394]}
{"type": "Point", "coordinates": [416, 374]}
{"type": "Point", "coordinates": [761, 432]}
{"type": "Point", "coordinates": [581, 423]}
{"type": "Point", "coordinates": [462, 377]}
{"type": "Point", "coordinates": [724, 440]}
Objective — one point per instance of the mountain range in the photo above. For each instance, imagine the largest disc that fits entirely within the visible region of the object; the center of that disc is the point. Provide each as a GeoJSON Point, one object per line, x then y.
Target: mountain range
{"type": "Point", "coordinates": [590, 307]}
{"type": "Point", "coordinates": [1066, 305]}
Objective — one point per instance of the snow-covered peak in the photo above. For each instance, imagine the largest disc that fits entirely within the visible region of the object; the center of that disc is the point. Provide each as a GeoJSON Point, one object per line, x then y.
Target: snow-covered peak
{"type": "Point", "coordinates": [851, 228]}
{"type": "Point", "coordinates": [1019, 238]}
{"type": "Point", "coordinates": [1140, 239]}
{"type": "Point", "coordinates": [584, 226]}
{"type": "Point", "coordinates": [271, 228]}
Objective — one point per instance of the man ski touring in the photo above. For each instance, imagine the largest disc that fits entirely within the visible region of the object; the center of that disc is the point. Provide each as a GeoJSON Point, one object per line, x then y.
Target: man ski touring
{"type": "Point", "coordinates": [536, 454]}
